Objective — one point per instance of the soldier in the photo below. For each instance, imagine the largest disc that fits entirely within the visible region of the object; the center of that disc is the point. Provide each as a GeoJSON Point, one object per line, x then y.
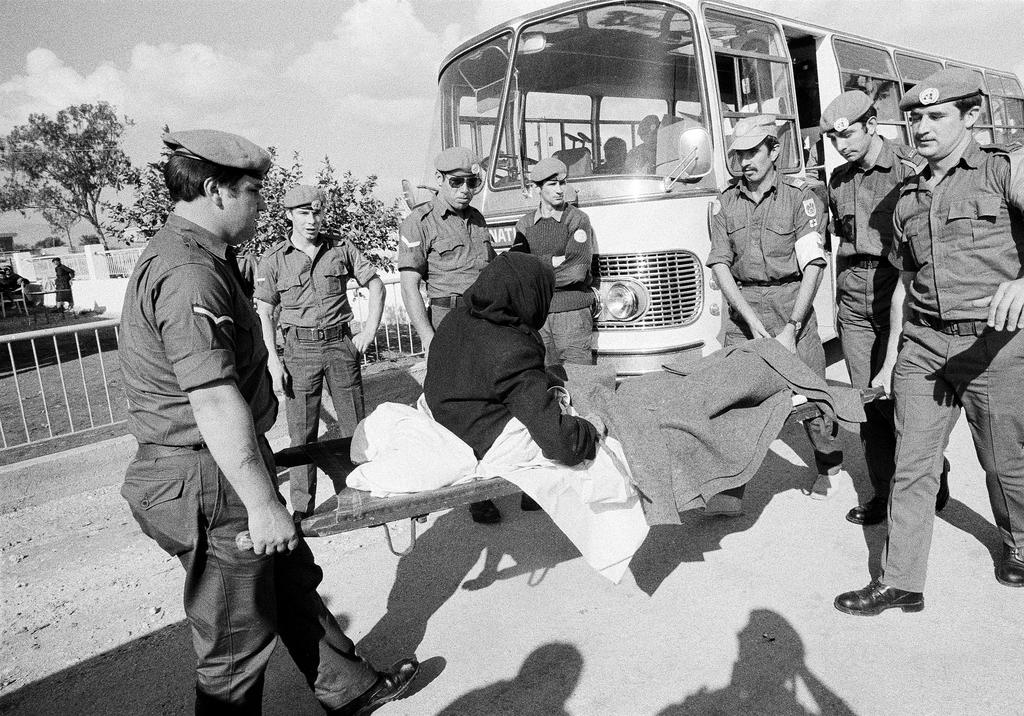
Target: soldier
{"type": "Point", "coordinates": [861, 197]}
{"type": "Point", "coordinates": [200, 401]}
{"type": "Point", "coordinates": [560, 234]}
{"type": "Point", "coordinates": [767, 257]}
{"type": "Point", "coordinates": [307, 276]}
{"type": "Point", "coordinates": [446, 244]}
{"type": "Point", "coordinates": [959, 242]}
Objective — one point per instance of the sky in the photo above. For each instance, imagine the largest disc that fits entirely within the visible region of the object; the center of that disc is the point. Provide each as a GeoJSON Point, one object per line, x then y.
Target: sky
{"type": "Point", "coordinates": [350, 79]}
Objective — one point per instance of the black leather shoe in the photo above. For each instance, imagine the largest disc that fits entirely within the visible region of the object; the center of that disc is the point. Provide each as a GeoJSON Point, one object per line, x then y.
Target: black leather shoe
{"type": "Point", "coordinates": [871, 512]}
{"type": "Point", "coordinates": [943, 495]}
{"type": "Point", "coordinates": [389, 686]}
{"type": "Point", "coordinates": [485, 512]}
{"type": "Point", "coordinates": [528, 504]}
{"type": "Point", "coordinates": [1010, 570]}
{"type": "Point", "coordinates": [876, 598]}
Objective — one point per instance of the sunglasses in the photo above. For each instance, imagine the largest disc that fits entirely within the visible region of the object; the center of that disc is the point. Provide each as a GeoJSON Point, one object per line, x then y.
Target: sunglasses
{"type": "Point", "coordinates": [471, 182]}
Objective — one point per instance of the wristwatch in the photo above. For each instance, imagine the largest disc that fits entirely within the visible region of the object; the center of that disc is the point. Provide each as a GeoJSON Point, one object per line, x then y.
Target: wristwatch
{"type": "Point", "coordinates": [797, 325]}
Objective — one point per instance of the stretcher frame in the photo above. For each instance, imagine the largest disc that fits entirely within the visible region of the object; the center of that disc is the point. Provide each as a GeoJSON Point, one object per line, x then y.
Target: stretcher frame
{"type": "Point", "coordinates": [352, 509]}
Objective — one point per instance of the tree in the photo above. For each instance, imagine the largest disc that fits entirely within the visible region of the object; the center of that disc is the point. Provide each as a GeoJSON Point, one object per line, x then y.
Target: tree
{"type": "Point", "coordinates": [151, 202]}
{"type": "Point", "coordinates": [60, 167]}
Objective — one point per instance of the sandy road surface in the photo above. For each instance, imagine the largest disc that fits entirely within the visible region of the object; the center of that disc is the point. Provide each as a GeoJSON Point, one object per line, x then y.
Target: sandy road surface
{"type": "Point", "coordinates": [722, 616]}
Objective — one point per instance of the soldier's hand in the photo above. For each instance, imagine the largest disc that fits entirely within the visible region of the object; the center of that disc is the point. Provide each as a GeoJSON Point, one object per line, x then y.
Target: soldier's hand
{"type": "Point", "coordinates": [787, 337]}
{"type": "Point", "coordinates": [1006, 306]}
{"type": "Point", "coordinates": [362, 341]}
{"type": "Point", "coordinates": [272, 530]}
{"type": "Point", "coordinates": [757, 328]}
{"type": "Point", "coordinates": [281, 379]}
{"type": "Point", "coordinates": [884, 378]}
{"type": "Point", "coordinates": [426, 344]}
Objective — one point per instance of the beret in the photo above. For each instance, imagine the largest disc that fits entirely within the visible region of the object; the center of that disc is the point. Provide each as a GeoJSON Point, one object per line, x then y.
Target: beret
{"type": "Point", "coordinates": [547, 168]}
{"type": "Point", "coordinates": [943, 86]}
{"type": "Point", "coordinates": [749, 132]}
{"type": "Point", "coordinates": [221, 148]}
{"type": "Point", "coordinates": [303, 195]}
{"type": "Point", "coordinates": [844, 110]}
{"type": "Point", "coordinates": [457, 160]}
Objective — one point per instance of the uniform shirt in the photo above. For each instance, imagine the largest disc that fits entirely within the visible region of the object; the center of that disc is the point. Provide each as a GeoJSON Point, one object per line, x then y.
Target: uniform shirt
{"type": "Point", "coordinates": [186, 323]}
{"type": "Point", "coordinates": [770, 239]}
{"type": "Point", "coordinates": [861, 201]}
{"type": "Point", "coordinates": [961, 239]}
{"type": "Point", "coordinates": [444, 248]}
{"type": "Point", "coordinates": [565, 240]}
{"type": "Point", "coordinates": [312, 293]}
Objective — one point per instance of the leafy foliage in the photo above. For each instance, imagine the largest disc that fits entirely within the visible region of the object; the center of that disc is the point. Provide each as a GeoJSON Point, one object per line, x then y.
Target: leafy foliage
{"type": "Point", "coordinates": [151, 203]}
{"type": "Point", "coordinates": [60, 167]}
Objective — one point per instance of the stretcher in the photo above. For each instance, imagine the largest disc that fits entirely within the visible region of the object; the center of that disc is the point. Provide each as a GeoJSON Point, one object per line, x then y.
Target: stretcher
{"type": "Point", "coordinates": [352, 509]}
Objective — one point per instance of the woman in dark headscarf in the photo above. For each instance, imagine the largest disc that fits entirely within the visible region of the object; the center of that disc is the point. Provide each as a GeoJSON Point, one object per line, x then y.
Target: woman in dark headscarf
{"type": "Point", "coordinates": [486, 364]}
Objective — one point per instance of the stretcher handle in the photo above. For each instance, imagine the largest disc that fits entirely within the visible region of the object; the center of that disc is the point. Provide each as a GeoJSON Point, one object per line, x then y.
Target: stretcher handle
{"type": "Point", "coordinates": [243, 541]}
{"type": "Point", "coordinates": [872, 394]}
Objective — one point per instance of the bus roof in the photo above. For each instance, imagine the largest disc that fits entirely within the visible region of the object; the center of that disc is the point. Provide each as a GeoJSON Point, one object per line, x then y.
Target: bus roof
{"type": "Point", "coordinates": [516, 22]}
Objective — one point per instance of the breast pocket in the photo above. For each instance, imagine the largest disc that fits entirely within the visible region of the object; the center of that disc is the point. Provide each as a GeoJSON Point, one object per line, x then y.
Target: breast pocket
{"type": "Point", "coordinates": [972, 220]}
{"type": "Point", "coordinates": [336, 277]}
{"type": "Point", "coordinates": [736, 229]}
{"type": "Point", "coordinates": [291, 288]}
{"type": "Point", "coordinates": [846, 221]}
{"type": "Point", "coordinates": [450, 253]}
{"type": "Point", "coordinates": [779, 238]}
{"type": "Point", "coordinates": [166, 511]}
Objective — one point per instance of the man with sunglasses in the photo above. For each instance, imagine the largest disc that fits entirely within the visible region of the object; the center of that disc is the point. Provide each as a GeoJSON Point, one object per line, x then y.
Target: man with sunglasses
{"type": "Point", "coordinates": [445, 243]}
{"type": "Point", "coordinates": [561, 235]}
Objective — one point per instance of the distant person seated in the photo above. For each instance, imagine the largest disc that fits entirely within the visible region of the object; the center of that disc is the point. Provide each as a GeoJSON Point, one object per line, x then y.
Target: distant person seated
{"type": "Point", "coordinates": [614, 157]}
{"type": "Point", "coordinates": [12, 286]}
{"type": "Point", "coordinates": [642, 157]}
{"type": "Point", "coordinates": [486, 365]}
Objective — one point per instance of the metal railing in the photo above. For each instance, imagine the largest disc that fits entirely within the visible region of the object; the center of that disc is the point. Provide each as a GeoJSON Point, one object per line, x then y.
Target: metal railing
{"type": "Point", "coordinates": [120, 262]}
{"type": "Point", "coordinates": [65, 380]}
{"type": "Point", "coordinates": [43, 265]}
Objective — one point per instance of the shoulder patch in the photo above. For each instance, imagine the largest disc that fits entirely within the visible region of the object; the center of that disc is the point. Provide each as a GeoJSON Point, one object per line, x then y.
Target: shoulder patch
{"type": "Point", "coordinates": [810, 208]}
{"type": "Point", "coordinates": [580, 236]}
{"type": "Point", "coordinates": [203, 311]}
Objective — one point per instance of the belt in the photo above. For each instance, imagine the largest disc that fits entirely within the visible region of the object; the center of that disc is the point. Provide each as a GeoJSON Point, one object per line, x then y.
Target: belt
{"type": "Point", "coordinates": [861, 261]}
{"type": "Point", "coordinates": [772, 282]}
{"type": "Point", "coordinates": [968, 327]}
{"type": "Point", "coordinates": [446, 301]}
{"type": "Point", "coordinates": [330, 333]}
{"type": "Point", "coordinates": [151, 451]}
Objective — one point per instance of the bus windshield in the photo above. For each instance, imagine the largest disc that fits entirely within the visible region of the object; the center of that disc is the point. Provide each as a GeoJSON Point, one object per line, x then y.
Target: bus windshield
{"type": "Point", "coordinates": [606, 90]}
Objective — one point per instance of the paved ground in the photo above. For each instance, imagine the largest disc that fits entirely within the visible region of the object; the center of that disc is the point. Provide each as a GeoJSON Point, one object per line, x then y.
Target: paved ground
{"type": "Point", "coordinates": [719, 616]}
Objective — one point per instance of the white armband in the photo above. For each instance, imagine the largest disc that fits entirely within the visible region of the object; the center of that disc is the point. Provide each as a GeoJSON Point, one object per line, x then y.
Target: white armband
{"type": "Point", "coordinates": [809, 247]}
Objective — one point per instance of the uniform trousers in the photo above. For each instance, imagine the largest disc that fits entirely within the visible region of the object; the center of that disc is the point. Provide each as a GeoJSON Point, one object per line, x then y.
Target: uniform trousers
{"type": "Point", "coordinates": [568, 337]}
{"type": "Point", "coordinates": [238, 603]}
{"type": "Point", "coordinates": [310, 363]}
{"type": "Point", "coordinates": [864, 296]}
{"type": "Point", "coordinates": [936, 375]}
{"type": "Point", "coordinates": [774, 306]}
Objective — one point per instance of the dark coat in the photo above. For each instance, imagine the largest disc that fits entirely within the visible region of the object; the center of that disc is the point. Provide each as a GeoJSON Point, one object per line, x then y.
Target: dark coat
{"type": "Point", "coordinates": [486, 364]}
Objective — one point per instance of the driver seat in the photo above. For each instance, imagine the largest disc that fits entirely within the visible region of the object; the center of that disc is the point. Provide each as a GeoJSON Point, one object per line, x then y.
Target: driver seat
{"type": "Point", "coordinates": [578, 161]}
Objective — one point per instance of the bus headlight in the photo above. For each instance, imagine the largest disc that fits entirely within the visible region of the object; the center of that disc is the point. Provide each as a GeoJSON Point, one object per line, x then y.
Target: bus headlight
{"type": "Point", "coordinates": [621, 302]}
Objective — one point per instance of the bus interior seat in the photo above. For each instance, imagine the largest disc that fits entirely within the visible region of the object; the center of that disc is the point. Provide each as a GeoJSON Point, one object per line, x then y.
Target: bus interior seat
{"type": "Point", "coordinates": [578, 161]}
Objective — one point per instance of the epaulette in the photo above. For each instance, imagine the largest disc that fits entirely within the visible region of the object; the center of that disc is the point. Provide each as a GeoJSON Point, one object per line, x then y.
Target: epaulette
{"type": "Point", "coordinates": [794, 180]}
{"type": "Point", "coordinates": [908, 156]}
{"type": "Point", "coordinates": [1008, 148]}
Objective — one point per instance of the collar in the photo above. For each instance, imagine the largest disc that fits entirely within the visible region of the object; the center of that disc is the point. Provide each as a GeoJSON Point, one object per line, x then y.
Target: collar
{"type": "Point", "coordinates": [968, 154]}
{"type": "Point", "coordinates": [774, 186]}
{"type": "Point", "coordinates": [557, 215]}
{"type": "Point", "coordinates": [443, 208]}
{"type": "Point", "coordinates": [201, 236]}
{"type": "Point", "coordinates": [886, 157]}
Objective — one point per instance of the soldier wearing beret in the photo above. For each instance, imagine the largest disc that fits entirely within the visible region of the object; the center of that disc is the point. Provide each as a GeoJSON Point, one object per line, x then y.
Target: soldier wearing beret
{"type": "Point", "coordinates": [200, 401]}
{"type": "Point", "coordinates": [861, 197]}
{"type": "Point", "coordinates": [307, 275]}
{"type": "Point", "coordinates": [561, 235]}
{"type": "Point", "coordinates": [446, 244]}
{"type": "Point", "coordinates": [959, 241]}
{"type": "Point", "coordinates": [767, 257]}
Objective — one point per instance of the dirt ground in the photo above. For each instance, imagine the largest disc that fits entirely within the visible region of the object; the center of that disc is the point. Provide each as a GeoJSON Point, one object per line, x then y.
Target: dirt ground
{"type": "Point", "coordinates": [718, 616]}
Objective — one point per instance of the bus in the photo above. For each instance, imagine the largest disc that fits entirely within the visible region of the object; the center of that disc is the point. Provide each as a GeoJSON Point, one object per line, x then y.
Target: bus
{"type": "Point", "coordinates": [638, 99]}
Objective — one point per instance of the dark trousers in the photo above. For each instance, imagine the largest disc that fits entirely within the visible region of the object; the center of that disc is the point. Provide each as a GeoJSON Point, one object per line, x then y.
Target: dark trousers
{"type": "Point", "coordinates": [238, 603]}
{"type": "Point", "coordinates": [568, 337]}
{"type": "Point", "coordinates": [774, 305]}
{"type": "Point", "coordinates": [864, 296]}
{"type": "Point", "coordinates": [310, 363]}
{"type": "Point", "coordinates": [935, 376]}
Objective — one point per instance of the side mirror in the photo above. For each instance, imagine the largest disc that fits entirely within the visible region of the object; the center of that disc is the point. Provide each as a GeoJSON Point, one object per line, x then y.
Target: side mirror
{"type": "Point", "coordinates": [693, 149]}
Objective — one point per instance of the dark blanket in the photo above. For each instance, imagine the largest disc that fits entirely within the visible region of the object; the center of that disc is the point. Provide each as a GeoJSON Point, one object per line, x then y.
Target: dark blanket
{"type": "Point", "coordinates": [700, 428]}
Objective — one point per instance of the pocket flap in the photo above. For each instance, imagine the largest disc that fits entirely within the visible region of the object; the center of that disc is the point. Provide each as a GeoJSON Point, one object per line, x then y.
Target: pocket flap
{"type": "Point", "coordinates": [148, 493]}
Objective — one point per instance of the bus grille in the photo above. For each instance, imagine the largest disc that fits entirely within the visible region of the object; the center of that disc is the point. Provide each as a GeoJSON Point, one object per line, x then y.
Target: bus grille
{"type": "Point", "coordinates": [674, 282]}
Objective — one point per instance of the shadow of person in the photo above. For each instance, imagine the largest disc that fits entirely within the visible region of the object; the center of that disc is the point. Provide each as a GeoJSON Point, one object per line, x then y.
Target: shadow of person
{"type": "Point", "coordinates": [668, 546]}
{"type": "Point", "coordinates": [769, 677]}
{"type": "Point", "coordinates": [545, 682]}
{"type": "Point", "coordinates": [429, 575]}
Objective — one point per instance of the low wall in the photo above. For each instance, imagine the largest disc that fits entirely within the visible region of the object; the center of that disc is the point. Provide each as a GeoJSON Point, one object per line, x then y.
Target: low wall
{"type": "Point", "coordinates": [105, 296]}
